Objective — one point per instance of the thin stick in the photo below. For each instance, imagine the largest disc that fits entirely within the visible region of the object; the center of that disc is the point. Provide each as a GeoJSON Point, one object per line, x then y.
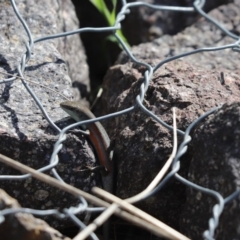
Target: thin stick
{"type": "Point", "coordinates": [103, 217]}
{"type": "Point", "coordinates": [99, 94]}
{"type": "Point", "coordinates": [163, 171]}
{"type": "Point", "coordinates": [166, 231]}
{"type": "Point", "coordinates": [52, 181]}
{"type": "Point", "coordinates": [35, 83]}
{"type": "Point", "coordinates": [77, 192]}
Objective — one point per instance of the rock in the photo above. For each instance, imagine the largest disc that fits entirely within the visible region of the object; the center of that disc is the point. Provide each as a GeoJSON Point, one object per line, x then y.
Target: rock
{"type": "Point", "coordinates": [144, 24]}
{"type": "Point", "coordinates": [201, 34]}
{"type": "Point", "coordinates": [24, 133]}
{"type": "Point", "coordinates": [204, 34]}
{"type": "Point", "coordinates": [141, 144]}
{"type": "Point", "coordinates": [69, 46]}
{"type": "Point", "coordinates": [216, 165]}
{"type": "Point", "coordinates": [24, 225]}
{"type": "Point", "coordinates": [193, 85]}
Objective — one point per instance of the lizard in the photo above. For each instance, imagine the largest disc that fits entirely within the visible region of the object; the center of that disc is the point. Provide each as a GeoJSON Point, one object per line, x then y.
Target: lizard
{"type": "Point", "coordinates": [101, 142]}
{"type": "Point", "coordinates": [98, 137]}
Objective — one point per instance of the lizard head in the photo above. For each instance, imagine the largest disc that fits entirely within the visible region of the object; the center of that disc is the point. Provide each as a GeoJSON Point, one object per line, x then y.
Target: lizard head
{"type": "Point", "coordinates": [76, 110]}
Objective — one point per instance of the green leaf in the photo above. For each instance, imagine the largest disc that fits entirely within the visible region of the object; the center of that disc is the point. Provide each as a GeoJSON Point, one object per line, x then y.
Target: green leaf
{"type": "Point", "coordinates": [112, 38]}
{"type": "Point", "coordinates": [113, 13]}
{"type": "Point", "coordinates": [110, 17]}
{"type": "Point", "coordinates": [120, 34]}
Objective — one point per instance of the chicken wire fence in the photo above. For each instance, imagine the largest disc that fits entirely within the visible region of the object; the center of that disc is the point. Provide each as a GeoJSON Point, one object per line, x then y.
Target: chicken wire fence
{"type": "Point", "coordinates": [122, 208]}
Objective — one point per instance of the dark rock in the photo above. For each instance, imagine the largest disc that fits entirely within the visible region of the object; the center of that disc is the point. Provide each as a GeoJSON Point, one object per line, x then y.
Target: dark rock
{"type": "Point", "coordinates": [215, 165]}
{"type": "Point", "coordinates": [144, 24]}
{"type": "Point", "coordinates": [24, 133]}
{"type": "Point", "coordinates": [141, 144]}
{"type": "Point", "coordinates": [24, 225]}
{"type": "Point", "coordinates": [202, 34]}
{"type": "Point", "coordinates": [194, 85]}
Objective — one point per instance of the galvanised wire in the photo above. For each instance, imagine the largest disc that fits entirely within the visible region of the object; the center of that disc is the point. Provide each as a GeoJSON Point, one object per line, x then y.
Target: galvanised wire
{"type": "Point", "coordinates": [83, 206]}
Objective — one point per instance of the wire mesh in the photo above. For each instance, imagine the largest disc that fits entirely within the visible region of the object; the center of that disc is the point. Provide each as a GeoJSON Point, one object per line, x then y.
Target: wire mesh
{"type": "Point", "coordinates": [182, 149]}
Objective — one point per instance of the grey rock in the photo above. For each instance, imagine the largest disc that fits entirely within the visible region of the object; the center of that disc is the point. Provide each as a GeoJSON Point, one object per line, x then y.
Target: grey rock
{"type": "Point", "coordinates": [69, 46]}
{"type": "Point", "coordinates": [24, 133]}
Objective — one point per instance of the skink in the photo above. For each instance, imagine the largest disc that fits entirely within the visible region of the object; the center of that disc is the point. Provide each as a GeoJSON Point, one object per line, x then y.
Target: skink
{"type": "Point", "coordinates": [98, 137]}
